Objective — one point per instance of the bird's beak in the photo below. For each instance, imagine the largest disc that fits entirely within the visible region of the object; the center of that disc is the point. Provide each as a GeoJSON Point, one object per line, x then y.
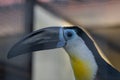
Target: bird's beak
{"type": "Point", "coordinates": [43, 39]}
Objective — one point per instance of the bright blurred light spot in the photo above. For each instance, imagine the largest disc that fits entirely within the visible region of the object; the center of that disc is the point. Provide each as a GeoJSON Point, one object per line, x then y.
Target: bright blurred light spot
{"type": "Point", "coordinates": [10, 2]}
{"type": "Point", "coordinates": [45, 1]}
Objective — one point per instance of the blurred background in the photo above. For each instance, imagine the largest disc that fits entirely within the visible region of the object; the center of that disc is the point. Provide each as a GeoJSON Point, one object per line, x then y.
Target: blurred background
{"type": "Point", "coordinates": [19, 17]}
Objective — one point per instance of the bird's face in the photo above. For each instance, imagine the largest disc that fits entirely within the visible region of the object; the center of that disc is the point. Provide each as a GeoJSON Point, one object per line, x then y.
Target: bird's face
{"type": "Point", "coordinates": [43, 39]}
{"type": "Point", "coordinates": [82, 59]}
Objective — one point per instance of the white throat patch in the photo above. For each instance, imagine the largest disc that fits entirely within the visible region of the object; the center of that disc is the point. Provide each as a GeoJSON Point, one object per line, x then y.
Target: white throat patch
{"type": "Point", "coordinates": [77, 48]}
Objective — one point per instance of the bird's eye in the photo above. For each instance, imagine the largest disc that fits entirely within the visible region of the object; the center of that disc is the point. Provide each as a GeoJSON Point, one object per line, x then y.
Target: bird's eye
{"type": "Point", "coordinates": [68, 34]}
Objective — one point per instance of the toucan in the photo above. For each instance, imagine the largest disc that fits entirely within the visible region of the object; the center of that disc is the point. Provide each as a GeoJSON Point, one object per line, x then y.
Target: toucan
{"type": "Point", "coordinates": [86, 62]}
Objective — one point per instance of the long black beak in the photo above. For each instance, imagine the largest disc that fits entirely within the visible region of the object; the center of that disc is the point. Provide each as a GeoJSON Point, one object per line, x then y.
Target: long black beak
{"type": "Point", "coordinates": [47, 38]}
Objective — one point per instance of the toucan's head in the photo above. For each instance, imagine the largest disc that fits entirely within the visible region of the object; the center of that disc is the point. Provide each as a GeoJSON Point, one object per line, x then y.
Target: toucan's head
{"type": "Point", "coordinates": [44, 39]}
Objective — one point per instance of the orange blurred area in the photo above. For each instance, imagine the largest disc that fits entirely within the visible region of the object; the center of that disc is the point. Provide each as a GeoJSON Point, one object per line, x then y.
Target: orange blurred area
{"type": "Point", "coordinates": [90, 12]}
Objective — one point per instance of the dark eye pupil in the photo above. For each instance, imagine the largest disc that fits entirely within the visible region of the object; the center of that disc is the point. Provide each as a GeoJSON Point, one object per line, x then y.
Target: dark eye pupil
{"type": "Point", "coordinates": [69, 34]}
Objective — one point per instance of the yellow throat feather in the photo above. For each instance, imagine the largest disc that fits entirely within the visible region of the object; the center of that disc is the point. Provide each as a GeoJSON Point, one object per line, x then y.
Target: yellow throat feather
{"type": "Point", "coordinates": [82, 70]}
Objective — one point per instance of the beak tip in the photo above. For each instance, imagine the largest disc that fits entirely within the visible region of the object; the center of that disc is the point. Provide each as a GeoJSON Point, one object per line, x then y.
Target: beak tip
{"type": "Point", "coordinates": [9, 56]}
{"type": "Point", "coordinates": [12, 53]}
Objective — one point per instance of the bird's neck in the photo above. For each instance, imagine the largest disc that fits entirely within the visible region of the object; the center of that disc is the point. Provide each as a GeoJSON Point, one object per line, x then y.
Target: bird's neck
{"type": "Point", "coordinates": [82, 61]}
